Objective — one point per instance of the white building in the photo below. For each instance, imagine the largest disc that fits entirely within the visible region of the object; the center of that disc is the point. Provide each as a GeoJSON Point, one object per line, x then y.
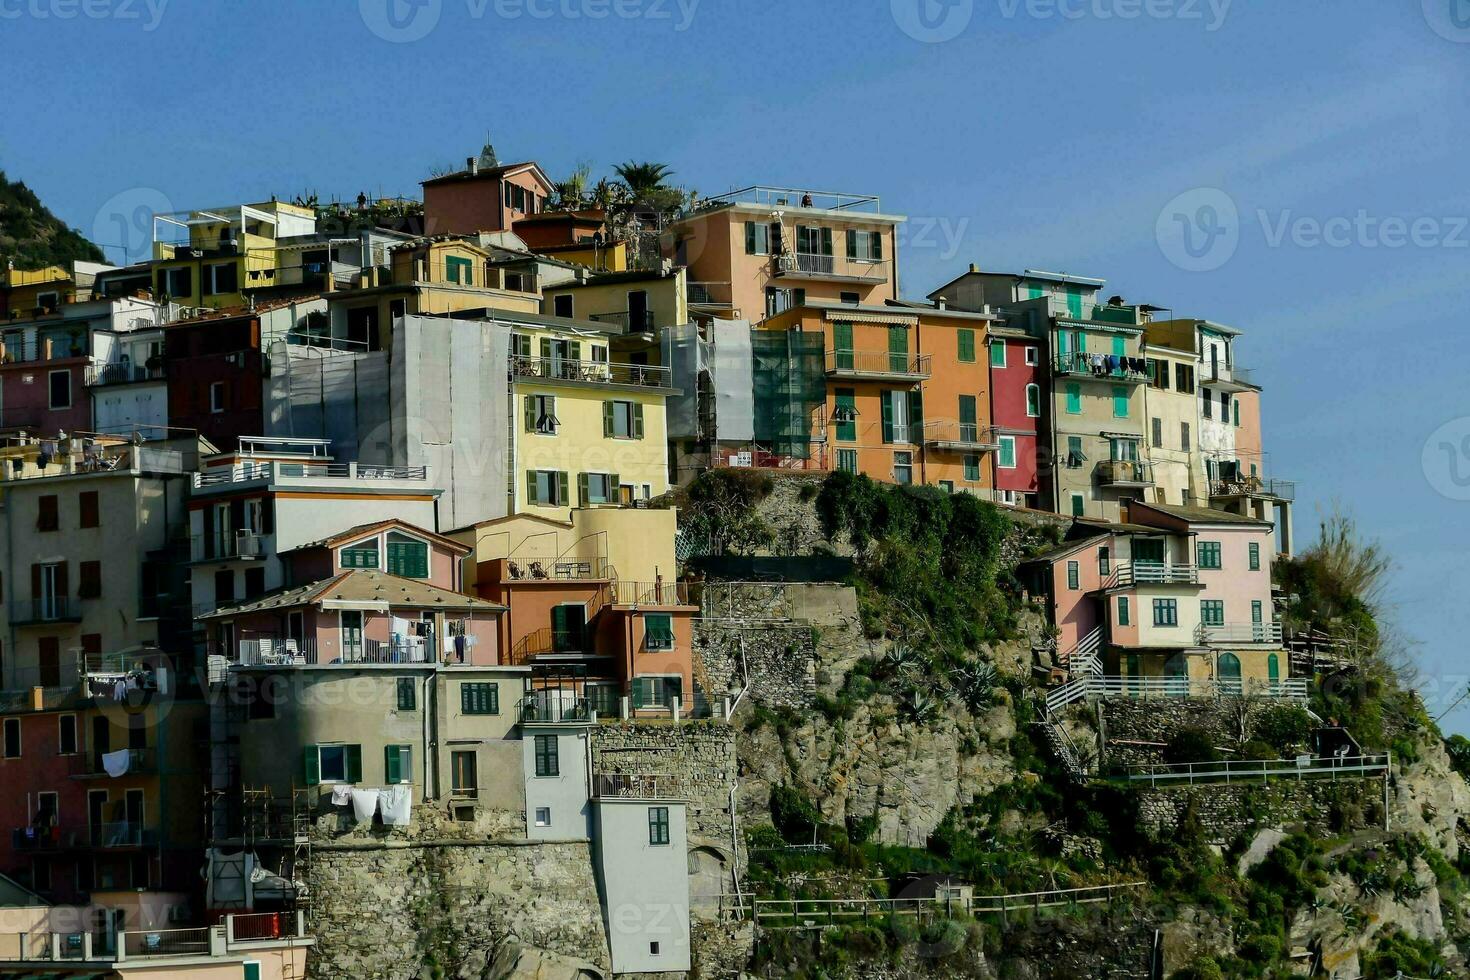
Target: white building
{"type": "Point", "coordinates": [643, 871]}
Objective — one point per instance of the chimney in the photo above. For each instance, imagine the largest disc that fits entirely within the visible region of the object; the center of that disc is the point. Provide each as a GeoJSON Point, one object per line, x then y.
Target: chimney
{"type": "Point", "coordinates": [974, 267]}
{"type": "Point", "coordinates": [472, 164]}
{"type": "Point", "coordinates": [939, 302]}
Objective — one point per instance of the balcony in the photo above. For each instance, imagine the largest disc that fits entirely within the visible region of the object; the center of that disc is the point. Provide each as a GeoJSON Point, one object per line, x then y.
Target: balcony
{"type": "Point", "coordinates": [1125, 473]}
{"type": "Point", "coordinates": [1235, 634]}
{"type": "Point", "coordinates": [1224, 377]}
{"type": "Point", "coordinates": [272, 652]}
{"type": "Point", "coordinates": [241, 545]}
{"type": "Point", "coordinates": [550, 569]}
{"type": "Point", "coordinates": [16, 349]}
{"type": "Point", "coordinates": [637, 786]}
{"type": "Point", "coordinates": [48, 609]}
{"type": "Point", "coordinates": [88, 765]}
{"type": "Point", "coordinates": [963, 437]}
{"type": "Point", "coordinates": [640, 321]}
{"type": "Point", "coordinates": [205, 947]}
{"type": "Point", "coordinates": [551, 708]}
{"type": "Point", "coordinates": [836, 268]}
{"type": "Point", "coordinates": [650, 593]}
{"type": "Point", "coordinates": [280, 472]}
{"type": "Point", "coordinates": [1254, 486]}
{"type": "Point", "coordinates": [123, 833]}
{"type": "Point", "coordinates": [1102, 367]}
{"type": "Point", "coordinates": [703, 294]}
{"type": "Point", "coordinates": [123, 373]}
{"type": "Point", "coordinates": [555, 370]}
{"type": "Point", "coordinates": [45, 840]}
{"type": "Point", "coordinates": [864, 365]}
{"type": "Point", "coordinates": [1128, 574]}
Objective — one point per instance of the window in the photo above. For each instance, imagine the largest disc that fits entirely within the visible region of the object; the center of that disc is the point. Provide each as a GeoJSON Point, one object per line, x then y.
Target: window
{"type": "Point", "coordinates": [842, 345]}
{"type": "Point", "coordinates": [947, 486]}
{"type": "Point", "coordinates": [1207, 401]}
{"type": "Point", "coordinates": [1075, 456]}
{"type": "Point", "coordinates": [458, 269]}
{"type": "Point", "coordinates": [1212, 612]}
{"type": "Point", "coordinates": [216, 397]}
{"type": "Point", "coordinates": [846, 297]}
{"type": "Point", "coordinates": [408, 699]}
{"type": "Point", "coordinates": [1166, 612]}
{"type": "Point", "coordinates": [1078, 508]}
{"type": "Point", "coordinates": [12, 738]}
{"type": "Point", "coordinates": [254, 583]}
{"type": "Point", "coordinates": [47, 518]}
{"type": "Point", "coordinates": [656, 692]}
{"type": "Point", "coordinates": [224, 586]}
{"type": "Point", "coordinates": [479, 698]}
{"type": "Point", "coordinates": [1120, 401]}
{"type": "Point", "coordinates": [1184, 436]}
{"type": "Point", "coordinates": [547, 488]}
{"type": "Point", "coordinates": [540, 413]}
{"type": "Point", "coordinates": [463, 777]}
{"type": "Point", "coordinates": [1073, 576]}
{"type": "Point", "coordinates": [658, 825]}
{"type": "Point", "coordinates": [598, 488]}
{"type": "Point", "coordinates": [59, 386]}
{"type": "Point", "coordinates": [1033, 356]}
{"type": "Point", "coordinates": [1158, 432]}
{"type": "Point", "coordinates": [397, 764]}
{"type": "Point", "coordinates": [864, 246]}
{"type": "Point", "coordinates": [543, 816]}
{"type": "Point", "coordinates": [1033, 401]}
{"type": "Point", "coordinates": [903, 468]}
{"type": "Point", "coordinates": [175, 283]}
{"type": "Point", "coordinates": [658, 631]}
{"type": "Point", "coordinates": [1184, 378]}
{"type": "Point", "coordinates": [1235, 407]}
{"type": "Point", "coordinates": [845, 413]}
{"type": "Point", "coordinates": [1253, 551]}
{"type": "Point", "coordinates": [89, 513]}
{"type": "Point", "coordinates": [362, 554]}
{"type": "Point", "coordinates": [221, 278]}
{"type": "Point", "coordinates": [1225, 407]}
{"type": "Point", "coordinates": [547, 761]}
{"type": "Point", "coordinates": [653, 949]}
{"type": "Point", "coordinates": [897, 409]}
{"type": "Point", "coordinates": [997, 353]}
{"type": "Point", "coordinates": [1258, 611]}
{"type": "Point", "coordinates": [1208, 554]}
{"type": "Point", "coordinates": [813, 241]}
{"type": "Point", "coordinates": [66, 734]}
{"type": "Point", "coordinates": [1123, 611]}
{"type": "Point", "coordinates": [1007, 452]}
{"type": "Point", "coordinates": [1074, 399]}
{"type": "Point", "coordinates": [562, 306]}
{"type": "Point", "coordinates": [1104, 562]}
{"type": "Point", "coordinates": [333, 764]}
{"type": "Point", "coordinates": [407, 556]}
{"type": "Point", "coordinates": [972, 467]}
{"type": "Point", "coordinates": [758, 237]}
{"type": "Point", "coordinates": [622, 420]}
{"type": "Point", "coordinates": [966, 339]}
{"type": "Point", "coordinates": [89, 583]}
{"type": "Point", "coordinates": [847, 460]}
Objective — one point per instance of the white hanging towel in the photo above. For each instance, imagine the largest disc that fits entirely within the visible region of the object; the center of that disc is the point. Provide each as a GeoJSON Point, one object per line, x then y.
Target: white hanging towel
{"type": "Point", "coordinates": [364, 804]}
{"type": "Point", "coordinates": [341, 795]}
{"type": "Point", "coordinates": [397, 804]}
{"type": "Point", "coordinates": [115, 764]}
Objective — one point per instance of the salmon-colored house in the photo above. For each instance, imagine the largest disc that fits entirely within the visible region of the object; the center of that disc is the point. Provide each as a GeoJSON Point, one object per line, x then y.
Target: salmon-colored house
{"type": "Point", "coordinates": [484, 198]}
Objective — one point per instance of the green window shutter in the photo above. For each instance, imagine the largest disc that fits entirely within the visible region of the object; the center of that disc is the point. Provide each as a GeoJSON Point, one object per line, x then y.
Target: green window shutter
{"type": "Point", "coordinates": [997, 354]}
{"type": "Point", "coordinates": [1074, 303]}
{"type": "Point", "coordinates": [311, 765]}
{"type": "Point", "coordinates": [561, 488]}
{"type": "Point", "coordinates": [966, 340]}
{"type": "Point", "coordinates": [1235, 407]}
{"type": "Point", "coordinates": [875, 245]}
{"type": "Point", "coordinates": [750, 238]}
{"type": "Point", "coordinates": [637, 420]}
{"type": "Point", "coordinates": [530, 413]}
{"type": "Point", "coordinates": [972, 467]}
{"type": "Point", "coordinates": [607, 420]}
{"type": "Point", "coordinates": [1077, 505]}
{"type": "Point", "coordinates": [916, 414]}
{"type": "Point", "coordinates": [354, 763]}
{"type": "Point", "coordinates": [842, 336]}
{"type": "Point", "coordinates": [1074, 399]}
{"type": "Point", "coordinates": [1123, 610]}
{"type": "Point", "coordinates": [886, 398]}
{"type": "Point", "coordinates": [1008, 453]}
{"type": "Point", "coordinates": [967, 410]}
{"type": "Point", "coordinates": [826, 241]}
{"type": "Point", "coordinates": [582, 495]}
{"type": "Point", "coordinates": [898, 349]}
{"type": "Point", "coordinates": [1273, 668]}
{"type": "Point", "coordinates": [852, 251]}
{"type": "Point", "coordinates": [494, 699]}
{"type": "Point", "coordinates": [1257, 611]}
{"type": "Point", "coordinates": [1120, 401]}
{"type": "Point", "coordinates": [531, 487]}
{"type": "Point", "coordinates": [391, 771]}
{"type": "Point", "coordinates": [1120, 347]}
{"type": "Point", "coordinates": [546, 348]}
{"type": "Point", "coordinates": [847, 399]}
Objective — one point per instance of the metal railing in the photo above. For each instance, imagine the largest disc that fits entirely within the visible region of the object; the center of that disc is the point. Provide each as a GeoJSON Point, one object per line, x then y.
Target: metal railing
{"type": "Point", "coordinates": [551, 707]}
{"type": "Point", "coordinates": [1125, 472]}
{"type": "Point", "coordinates": [90, 763]}
{"type": "Point", "coordinates": [1104, 367]}
{"type": "Point", "coordinates": [867, 362]}
{"type": "Point", "coordinates": [249, 472]}
{"type": "Point", "coordinates": [1302, 767]}
{"type": "Point", "coordinates": [637, 786]}
{"type": "Point", "coordinates": [263, 926]}
{"type": "Point", "coordinates": [698, 294]}
{"type": "Point", "coordinates": [825, 913]}
{"type": "Point", "coordinates": [230, 544]}
{"type": "Point", "coordinates": [123, 833]}
{"type": "Point", "coordinates": [1127, 573]}
{"type": "Point", "coordinates": [280, 653]}
{"type": "Point", "coordinates": [165, 942]}
{"type": "Point", "coordinates": [816, 459]}
{"type": "Point", "coordinates": [553, 569]}
{"type": "Point", "coordinates": [21, 350]}
{"type": "Point", "coordinates": [1217, 634]}
{"type": "Point", "coordinates": [590, 372]}
{"type": "Point", "coordinates": [631, 321]}
{"type": "Point", "coordinates": [650, 593]}
{"type": "Point", "coordinates": [1102, 686]}
{"type": "Point", "coordinates": [971, 435]}
{"type": "Point", "coordinates": [48, 609]}
{"type": "Point", "coordinates": [120, 373]}
{"type": "Point", "coordinates": [1254, 486]}
{"type": "Point", "coordinates": [769, 196]}
{"type": "Point", "coordinates": [237, 933]}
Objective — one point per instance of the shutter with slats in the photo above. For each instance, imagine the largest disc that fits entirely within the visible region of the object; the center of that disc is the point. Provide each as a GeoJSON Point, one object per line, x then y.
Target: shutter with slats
{"type": "Point", "coordinates": [562, 495]}
{"type": "Point", "coordinates": [583, 497]}
{"type": "Point", "coordinates": [354, 763]}
{"type": "Point", "coordinates": [391, 770]}
{"type": "Point", "coordinates": [530, 410]}
{"type": "Point", "coordinates": [311, 765]}
{"type": "Point", "coordinates": [607, 420]}
{"type": "Point", "coordinates": [531, 487]}
{"type": "Point", "coordinates": [637, 420]}
{"type": "Point", "coordinates": [852, 248]}
{"type": "Point", "coordinates": [886, 400]}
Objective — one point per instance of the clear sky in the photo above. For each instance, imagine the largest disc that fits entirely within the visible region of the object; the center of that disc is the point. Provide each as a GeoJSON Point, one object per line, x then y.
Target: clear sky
{"type": "Point", "coordinates": [1294, 169]}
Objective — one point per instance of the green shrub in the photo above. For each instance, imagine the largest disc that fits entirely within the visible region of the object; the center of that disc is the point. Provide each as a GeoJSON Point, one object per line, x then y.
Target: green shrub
{"type": "Point", "coordinates": [1204, 968]}
{"type": "Point", "coordinates": [1258, 749]}
{"type": "Point", "coordinates": [1191, 745]}
{"type": "Point", "coordinates": [1286, 727]}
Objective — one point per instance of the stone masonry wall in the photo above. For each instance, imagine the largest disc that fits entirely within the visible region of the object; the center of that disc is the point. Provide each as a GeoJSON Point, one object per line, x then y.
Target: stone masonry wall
{"type": "Point", "coordinates": [1157, 720]}
{"type": "Point", "coordinates": [1227, 811]}
{"type": "Point", "coordinates": [780, 658]}
{"type": "Point", "coordinates": [699, 756]}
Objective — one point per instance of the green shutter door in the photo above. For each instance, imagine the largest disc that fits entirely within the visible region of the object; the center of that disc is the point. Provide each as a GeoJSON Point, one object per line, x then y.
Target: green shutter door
{"type": "Point", "coordinates": [898, 349]}
{"type": "Point", "coordinates": [966, 340]}
{"type": "Point", "coordinates": [842, 345]}
{"type": "Point", "coordinates": [391, 771]}
{"type": "Point", "coordinates": [1120, 347]}
{"type": "Point", "coordinates": [916, 415]}
{"type": "Point", "coordinates": [311, 765]}
{"type": "Point", "coordinates": [531, 487]}
{"type": "Point", "coordinates": [1120, 401]}
{"type": "Point", "coordinates": [354, 763]}
{"type": "Point", "coordinates": [886, 398]}
{"type": "Point", "coordinates": [847, 401]}
{"type": "Point", "coordinates": [530, 413]}
{"type": "Point", "coordinates": [968, 431]}
{"type": "Point", "coordinates": [1074, 303]}
{"type": "Point", "coordinates": [1074, 399]}
{"type": "Point", "coordinates": [637, 420]}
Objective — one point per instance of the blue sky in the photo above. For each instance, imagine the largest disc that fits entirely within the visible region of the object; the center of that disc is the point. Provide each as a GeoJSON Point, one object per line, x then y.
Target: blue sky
{"type": "Point", "coordinates": [1084, 136]}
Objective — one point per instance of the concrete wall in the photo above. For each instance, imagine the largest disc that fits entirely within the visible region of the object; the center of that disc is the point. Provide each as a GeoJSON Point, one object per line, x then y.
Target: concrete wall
{"type": "Point", "coordinates": [566, 793]}
{"type": "Point", "coordinates": [645, 886]}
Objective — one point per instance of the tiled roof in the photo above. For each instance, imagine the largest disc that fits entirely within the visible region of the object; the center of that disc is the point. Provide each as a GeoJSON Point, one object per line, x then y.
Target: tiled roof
{"type": "Point", "coordinates": [361, 586]}
{"type": "Point", "coordinates": [1200, 515]}
{"type": "Point", "coordinates": [357, 530]}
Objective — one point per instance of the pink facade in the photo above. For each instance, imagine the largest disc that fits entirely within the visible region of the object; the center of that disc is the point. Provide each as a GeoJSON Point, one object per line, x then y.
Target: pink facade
{"type": "Point", "coordinates": [31, 399]}
{"type": "Point", "coordinates": [1011, 409]}
{"type": "Point", "coordinates": [1075, 611]}
{"type": "Point", "coordinates": [330, 636]}
{"type": "Point", "coordinates": [489, 199]}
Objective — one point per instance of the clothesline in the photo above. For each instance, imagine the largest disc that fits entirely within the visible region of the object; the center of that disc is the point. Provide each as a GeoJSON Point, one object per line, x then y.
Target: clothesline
{"type": "Point", "coordinates": [395, 801]}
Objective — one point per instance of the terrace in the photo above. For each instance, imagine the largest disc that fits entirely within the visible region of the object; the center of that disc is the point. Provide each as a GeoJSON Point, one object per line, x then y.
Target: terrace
{"type": "Point", "coordinates": [1127, 574]}
{"type": "Point", "coordinates": [1102, 367]}
{"type": "Point", "coordinates": [31, 458]}
{"type": "Point", "coordinates": [1125, 473]}
{"type": "Point", "coordinates": [124, 373]}
{"type": "Point", "coordinates": [967, 437]}
{"type": "Point", "coordinates": [325, 473]}
{"type": "Point", "coordinates": [1091, 686]}
{"type": "Point", "coordinates": [1236, 634]}
{"type": "Point", "coordinates": [556, 370]}
{"type": "Point", "coordinates": [628, 321]}
{"type": "Point", "coordinates": [638, 786]}
{"type": "Point", "coordinates": [1253, 486]}
{"type": "Point", "coordinates": [236, 936]}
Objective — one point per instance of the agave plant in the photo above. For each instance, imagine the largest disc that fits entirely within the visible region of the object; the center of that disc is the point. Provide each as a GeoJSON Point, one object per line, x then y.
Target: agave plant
{"type": "Point", "coordinates": [918, 706]}
{"type": "Point", "coordinates": [975, 683]}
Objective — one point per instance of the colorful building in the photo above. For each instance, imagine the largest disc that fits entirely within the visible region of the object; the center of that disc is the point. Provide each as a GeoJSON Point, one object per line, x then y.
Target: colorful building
{"type": "Point", "coordinates": [1020, 404]}
{"type": "Point", "coordinates": [215, 257]}
{"type": "Point", "coordinates": [484, 197]}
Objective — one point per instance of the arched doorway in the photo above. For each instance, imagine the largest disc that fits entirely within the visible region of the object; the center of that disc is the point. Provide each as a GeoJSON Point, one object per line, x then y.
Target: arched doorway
{"type": "Point", "coordinates": [1273, 671]}
{"type": "Point", "coordinates": [1229, 673]}
{"type": "Point", "coordinates": [1176, 674]}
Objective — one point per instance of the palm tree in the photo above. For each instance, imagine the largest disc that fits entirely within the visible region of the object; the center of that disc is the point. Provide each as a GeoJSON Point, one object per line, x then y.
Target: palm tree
{"type": "Point", "coordinates": [642, 178]}
{"type": "Point", "coordinates": [572, 192]}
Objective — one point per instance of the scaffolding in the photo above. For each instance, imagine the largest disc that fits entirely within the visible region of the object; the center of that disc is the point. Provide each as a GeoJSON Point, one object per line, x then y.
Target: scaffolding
{"type": "Point", "coordinates": [790, 390]}
{"type": "Point", "coordinates": [250, 821]}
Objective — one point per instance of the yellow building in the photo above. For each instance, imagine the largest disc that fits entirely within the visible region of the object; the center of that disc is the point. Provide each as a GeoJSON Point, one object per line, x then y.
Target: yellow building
{"type": "Point", "coordinates": [28, 293]}
{"type": "Point", "coordinates": [587, 426]}
{"type": "Point", "coordinates": [637, 303]}
{"type": "Point", "coordinates": [227, 252]}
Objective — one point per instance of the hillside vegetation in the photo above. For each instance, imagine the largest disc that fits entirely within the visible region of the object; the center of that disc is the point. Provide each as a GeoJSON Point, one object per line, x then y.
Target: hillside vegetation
{"type": "Point", "coordinates": [31, 237]}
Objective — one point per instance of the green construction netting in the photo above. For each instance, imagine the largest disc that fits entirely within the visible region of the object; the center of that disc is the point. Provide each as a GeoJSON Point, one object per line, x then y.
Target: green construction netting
{"type": "Point", "coordinates": [790, 386]}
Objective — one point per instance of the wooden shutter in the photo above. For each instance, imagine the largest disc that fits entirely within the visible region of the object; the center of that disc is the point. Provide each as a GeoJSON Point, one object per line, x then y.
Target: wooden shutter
{"type": "Point", "coordinates": [89, 510]}
{"type": "Point", "coordinates": [391, 771]}
{"type": "Point", "coordinates": [90, 586]}
{"type": "Point", "coordinates": [531, 487]}
{"type": "Point", "coordinates": [546, 348]}
{"type": "Point", "coordinates": [916, 414]}
{"type": "Point", "coordinates": [354, 763]}
{"type": "Point", "coordinates": [607, 420]}
{"type": "Point", "coordinates": [530, 408]}
{"type": "Point", "coordinates": [875, 245]}
{"type": "Point", "coordinates": [237, 516]}
{"type": "Point", "coordinates": [268, 515]}
{"type": "Point", "coordinates": [852, 251]}
{"type": "Point", "coordinates": [62, 588]}
{"type": "Point", "coordinates": [967, 410]}
{"type": "Point", "coordinates": [886, 400]}
{"type": "Point", "coordinates": [750, 238]}
{"type": "Point", "coordinates": [36, 581]}
{"type": "Point", "coordinates": [582, 495]}
{"type": "Point", "coordinates": [562, 494]}
{"type": "Point", "coordinates": [637, 420]}
{"type": "Point", "coordinates": [311, 765]}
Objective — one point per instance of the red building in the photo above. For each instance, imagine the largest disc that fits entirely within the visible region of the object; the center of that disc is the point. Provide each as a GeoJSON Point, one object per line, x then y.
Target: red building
{"type": "Point", "coordinates": [484, 198]}
{"type": "Point", "coordinates": [216, 375]}
{"type": "Point", "coordinates": [1017, 408]}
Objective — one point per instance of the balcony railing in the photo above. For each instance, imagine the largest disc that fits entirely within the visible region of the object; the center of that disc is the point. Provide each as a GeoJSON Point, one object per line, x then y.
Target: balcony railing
{"type": "Point", "coordinates": [798, 265]}
{"type": "Point", "coordinates": [239, 544]}
{"type": "Point", "coordinates": [1230, 378]}
{"type": "Point", "coordinates": [877, 364]}
{"type": "Point", "coordinates": [551, 569]}
{"type": "Point", "coordinates": [1125, 473]}
{"type": "Point", "coordinates": [17, 350]}
{"type": "Point", "coordinates": [48, 609]}
{"type": "Point", "coordinates": [1104, 367]}
{"type": "Point", "coordinates": [123, 833]}
{"type": "Point", "coordinates": [1253, 486]}
{"type": "Point", "coordinates": [968, 436]}
{"type": "Point", "coordinates": [589, 372]}
{"type": "Point", "coordinates": [123, 373]}
{"type": "Point", "coordinates": [630, 786]}
{"type": "Point", "coordinates": [165, 942]}
{"type": "Point", "coordinates": [298, 653]}
{"type": "Point", "coordinates": [89, 764]}
{"type": "Point", "coordinates": [1100, 686]}
{"type": "Point", "coordinates": [1131, 573]}
{"type": "Point", "coordinates": [651, 593]}
{"type": "Point", "coordinates": [237, 934]}
{"type": "Point", "coordinates": [46, 839]}
{"type": "Point", "coordinates": [1302, 767]}
{"type": "Point", "coordinates": [1229, 634]}
{"type": "Point", "coordinates": [250, 472]}
{"type": "Point", "coordinates": [631, 321]}
{"type": "Point", "coordinates": [699, 294]}
{"type": "Point", "coordinates": [554, 707]}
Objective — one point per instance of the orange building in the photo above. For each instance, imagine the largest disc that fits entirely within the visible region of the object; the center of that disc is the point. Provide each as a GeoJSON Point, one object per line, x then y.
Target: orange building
{"type": "Point", "coordinates": [482, 198]}
{"type": "Point", "coordinates": [907, 392]}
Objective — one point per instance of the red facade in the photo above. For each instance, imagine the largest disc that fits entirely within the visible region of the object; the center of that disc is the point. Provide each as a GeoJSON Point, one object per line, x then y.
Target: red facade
{"type": "Point", "coordinates": [1018, 407]}
{"type": "Point", "coordinates": [216, 375]}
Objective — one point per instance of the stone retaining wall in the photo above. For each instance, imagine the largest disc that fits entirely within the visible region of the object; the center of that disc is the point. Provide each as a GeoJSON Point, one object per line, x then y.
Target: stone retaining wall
{"type": "Point", "coordinates": [699, 756]}
{"type": "Point", "coordinates": [1227, 811]}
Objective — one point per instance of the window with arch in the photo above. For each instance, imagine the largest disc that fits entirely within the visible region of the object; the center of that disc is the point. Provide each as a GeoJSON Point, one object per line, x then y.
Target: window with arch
{"type": "Point", "coordinates": [407, 556]}
{"type": "Point", "coordinates": [1033, 400]}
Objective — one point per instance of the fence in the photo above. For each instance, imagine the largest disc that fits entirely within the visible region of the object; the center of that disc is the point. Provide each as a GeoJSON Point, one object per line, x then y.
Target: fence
{"type": "Point", "coordinates": [589, 372]}
{"type": "Point", "coordinates": [637, 786]}
{"type": "Point", "coordinates": [1102, 686]}
{"type": "Point", "coordinates": [237, 933]}
{"type": "Point", "coordinates": [1303, 767]}
{"type": "Point", "coordinates": [824, 913]}
{"type": "Point", "coordinates": [877, 362]}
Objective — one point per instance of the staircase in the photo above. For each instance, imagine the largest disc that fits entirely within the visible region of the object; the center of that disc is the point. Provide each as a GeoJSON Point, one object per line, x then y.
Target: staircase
{"type": "Point", "coordinates": [1084, 658]}
{"type": "Point", "coordinates": [1063, 749]}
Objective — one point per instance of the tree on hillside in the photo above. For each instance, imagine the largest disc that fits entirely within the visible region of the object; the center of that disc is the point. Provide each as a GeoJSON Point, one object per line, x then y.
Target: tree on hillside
{"type": "Point", "coordinates": [32, 237]}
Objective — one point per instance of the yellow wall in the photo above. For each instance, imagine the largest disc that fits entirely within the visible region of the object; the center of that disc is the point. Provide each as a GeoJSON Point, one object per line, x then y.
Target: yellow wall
{"type": "Point", "coordinates": [637, 542]}
{"type": "Point", "coordinates": [666, 298]}
{"type": "Point", "coordinates": [609, 258]}
{"type": "Point", "coordinates": [1176, 471]}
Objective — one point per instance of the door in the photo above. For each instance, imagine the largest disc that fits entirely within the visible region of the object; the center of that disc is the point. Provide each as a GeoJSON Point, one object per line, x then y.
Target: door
{"type": "Point", "coordinates": [96, 812]}
{"type": "Point", "coordinates": [351, 634]}
{"type": "Point", "coordinates": [133, 815]}
{"type": "Point", "coordinates": [101, 742]}
{"type": "Point", "coordinates": [48, 650]}
{"type": "Point", "coordinates": [1229, 673]}
{"type": "Point", "coordinates": [1176, 672]}
{"type": "Point", "coordinates": [464, 775]}
{"type": "Point", "coordinates": [1148, 557]}
{"type": "Point", "coordinates": [638, 319]}
{"type": "Point", "coordinates": [568, 628]}
{"type": "Point", "coordinates": [296, 632]}
{"type": "Point", "coordinates": [1273, 671]}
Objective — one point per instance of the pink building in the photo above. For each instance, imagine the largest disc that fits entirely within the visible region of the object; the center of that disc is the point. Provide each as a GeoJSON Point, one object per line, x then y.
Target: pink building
{"type": "Point", "coordinates": [481, 198]}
